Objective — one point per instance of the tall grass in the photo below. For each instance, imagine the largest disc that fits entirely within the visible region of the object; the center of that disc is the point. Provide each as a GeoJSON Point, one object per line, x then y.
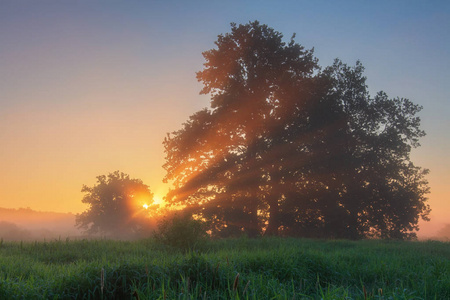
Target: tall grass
{"type": "Point", "coordinates": [267, 268]}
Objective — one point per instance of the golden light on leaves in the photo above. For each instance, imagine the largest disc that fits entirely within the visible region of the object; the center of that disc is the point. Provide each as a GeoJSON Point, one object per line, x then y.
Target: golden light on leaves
{"type": "Point", "coordinates": [146, 206]}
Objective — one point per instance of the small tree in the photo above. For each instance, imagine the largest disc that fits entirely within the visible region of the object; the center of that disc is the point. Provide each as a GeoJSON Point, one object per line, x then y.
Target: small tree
{"type": "Point", "coordinates": [115, 206]}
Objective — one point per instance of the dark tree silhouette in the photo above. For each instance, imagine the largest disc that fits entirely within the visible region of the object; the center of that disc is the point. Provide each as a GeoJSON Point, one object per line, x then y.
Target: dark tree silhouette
{"type": "Point", "coordinates": [358, 176]}
{"type": "Point", "coordinates": [115, 206]}
{"type": "Point", "coordinates": [287, 148]}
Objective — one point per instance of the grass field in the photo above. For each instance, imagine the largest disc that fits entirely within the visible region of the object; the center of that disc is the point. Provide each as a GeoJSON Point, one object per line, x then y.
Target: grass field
{"type": "Point", "coordinates": [267, 268]}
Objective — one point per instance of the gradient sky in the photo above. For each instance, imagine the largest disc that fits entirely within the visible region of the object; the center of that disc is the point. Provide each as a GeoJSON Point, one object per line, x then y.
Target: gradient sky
{"type": "Point", "coordinates": [90, 87]}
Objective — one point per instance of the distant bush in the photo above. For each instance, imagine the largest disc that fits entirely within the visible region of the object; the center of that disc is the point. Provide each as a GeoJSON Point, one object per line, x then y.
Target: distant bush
{"type": "Point", "coordinates": [12, 232]}
{"type": "Point", "coordinates": [181, 232]}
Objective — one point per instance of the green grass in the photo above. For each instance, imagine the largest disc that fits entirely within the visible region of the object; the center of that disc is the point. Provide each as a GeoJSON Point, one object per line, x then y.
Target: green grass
{"type": "Point", "coordinates": [268, 268]}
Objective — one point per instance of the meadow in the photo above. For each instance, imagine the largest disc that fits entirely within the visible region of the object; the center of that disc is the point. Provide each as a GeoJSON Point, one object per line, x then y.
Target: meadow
{"type": "Point", "coordinates": [265, 268]}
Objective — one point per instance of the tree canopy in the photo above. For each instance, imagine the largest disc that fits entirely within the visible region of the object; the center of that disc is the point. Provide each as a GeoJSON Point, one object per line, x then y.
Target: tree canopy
{"type": "Point", "coordinates": [115, 206]}
{"type": "Point", "coordinates": [290, 148]}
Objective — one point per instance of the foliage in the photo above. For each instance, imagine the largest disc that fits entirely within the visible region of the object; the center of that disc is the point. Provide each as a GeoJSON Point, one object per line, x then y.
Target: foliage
{"type": "Point", "coordinates": [115, 206]}
{"type": "Point", "coordinates": [268, 268]}
{"type": "Point", "coordinates": [289, 148]}
{"type": "Point", "coordinates": [181, 232]}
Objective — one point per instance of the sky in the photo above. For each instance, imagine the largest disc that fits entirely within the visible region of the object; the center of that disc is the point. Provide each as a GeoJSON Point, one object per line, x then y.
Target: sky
{"type": "Point", "coordinates": [90, 87]}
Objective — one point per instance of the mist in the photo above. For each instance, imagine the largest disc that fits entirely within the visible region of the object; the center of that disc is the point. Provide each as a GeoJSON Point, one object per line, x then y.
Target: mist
{"type": "Point", "coordinates": [443, 234]}
{"type": "Point", "coordinates": [25, 224]}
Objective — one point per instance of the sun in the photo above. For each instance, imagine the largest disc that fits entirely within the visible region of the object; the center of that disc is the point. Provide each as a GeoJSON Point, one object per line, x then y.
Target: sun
{"type": "Point", "coordinates": [157, 200]}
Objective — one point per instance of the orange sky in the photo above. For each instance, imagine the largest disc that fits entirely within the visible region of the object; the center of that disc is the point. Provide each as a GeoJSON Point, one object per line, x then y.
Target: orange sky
{"type": "Point", "coordinates": [87, 89]}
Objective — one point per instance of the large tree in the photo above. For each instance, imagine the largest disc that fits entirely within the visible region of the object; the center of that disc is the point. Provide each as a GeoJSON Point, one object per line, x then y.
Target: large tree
{"type": "Point", "coordinates": [289, 148]}
{"type": "Point", "coordinates": [115, 206]}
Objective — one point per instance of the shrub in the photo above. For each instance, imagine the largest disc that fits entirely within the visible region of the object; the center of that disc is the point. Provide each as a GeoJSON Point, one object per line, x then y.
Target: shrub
{"type": "Point", "coordinates": [181, 232]}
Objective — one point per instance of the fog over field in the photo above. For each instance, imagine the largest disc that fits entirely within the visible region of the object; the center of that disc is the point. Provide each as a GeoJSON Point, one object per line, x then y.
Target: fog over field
{"type": "Point", "coordinates": [25, 224]}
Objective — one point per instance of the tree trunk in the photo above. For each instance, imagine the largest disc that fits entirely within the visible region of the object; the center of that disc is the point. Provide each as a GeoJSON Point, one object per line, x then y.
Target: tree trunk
{"type": "Point", "coordinates": [252, 227]}
{"type": "Point", "coordinates": [274, 217]}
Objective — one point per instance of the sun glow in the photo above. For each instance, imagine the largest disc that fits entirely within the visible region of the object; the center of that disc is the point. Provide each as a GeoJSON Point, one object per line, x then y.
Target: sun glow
{"type": "Point", "coordinates": [157, 200]}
